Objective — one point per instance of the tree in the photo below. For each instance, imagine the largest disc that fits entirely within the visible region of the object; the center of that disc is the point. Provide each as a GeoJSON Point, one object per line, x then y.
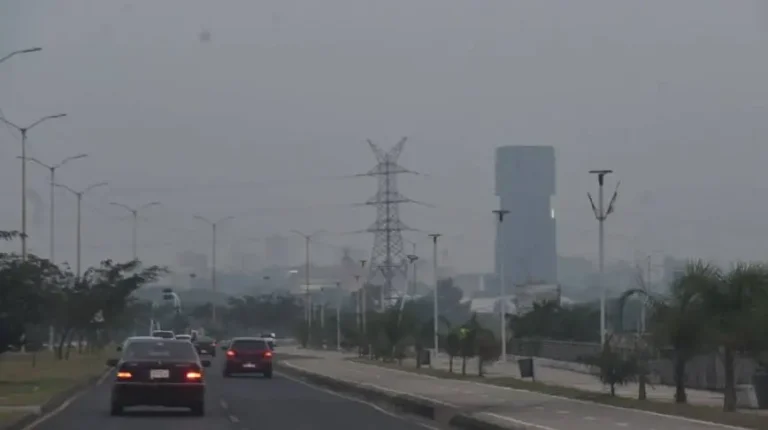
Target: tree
{"type": "Point", "coordinates": [733, 304]}
{"type": "Point", "coordinates": [615, 369]}
{"type": "Point", "coordinates": [678, 320]}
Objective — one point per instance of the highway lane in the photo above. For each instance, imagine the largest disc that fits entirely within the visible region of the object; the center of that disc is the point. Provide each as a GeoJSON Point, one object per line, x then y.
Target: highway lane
{"type": "Point", "coordinates": [243, 403]}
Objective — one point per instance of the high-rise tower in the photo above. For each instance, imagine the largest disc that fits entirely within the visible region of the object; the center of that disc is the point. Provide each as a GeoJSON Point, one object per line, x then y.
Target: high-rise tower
{"type": "Point", "coordinates": [525, 184]}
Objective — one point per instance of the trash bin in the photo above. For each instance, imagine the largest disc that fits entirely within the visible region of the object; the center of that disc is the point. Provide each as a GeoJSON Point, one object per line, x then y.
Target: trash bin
{"type": "Point", "coordinates": [425, 357]}
{"type": "Point", "coordinates": [526, 367]}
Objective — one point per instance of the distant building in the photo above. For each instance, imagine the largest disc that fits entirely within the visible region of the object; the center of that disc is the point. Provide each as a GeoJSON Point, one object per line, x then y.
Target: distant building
{"type": "Point", "coordinates": [526, 240]}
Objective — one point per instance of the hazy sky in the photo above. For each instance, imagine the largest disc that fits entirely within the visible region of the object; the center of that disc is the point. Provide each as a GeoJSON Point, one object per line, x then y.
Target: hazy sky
{"type": "Point", "coordinates": [260, 121]}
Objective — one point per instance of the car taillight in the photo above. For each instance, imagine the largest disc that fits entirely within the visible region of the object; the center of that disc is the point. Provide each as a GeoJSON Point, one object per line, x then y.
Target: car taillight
{"type": "Point", "coordinates": [124, 375]}
{"type": "Point", "coordinates": [194, 376]}
{"type": "Point", "coordinates": [268, 354]}
{"type": "Point", "coordinates": [230, 353]}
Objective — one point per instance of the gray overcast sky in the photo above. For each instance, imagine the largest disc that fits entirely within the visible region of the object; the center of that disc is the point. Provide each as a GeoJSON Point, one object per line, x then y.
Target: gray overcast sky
{"type": "Point", "coordinates": [669, 93]}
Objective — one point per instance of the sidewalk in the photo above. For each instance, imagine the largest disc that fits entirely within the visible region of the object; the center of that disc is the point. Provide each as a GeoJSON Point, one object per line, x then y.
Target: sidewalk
{"type": "Point", "coordinates": [553, 373]}
{"type": "Point", "coordinates": [510, 407]}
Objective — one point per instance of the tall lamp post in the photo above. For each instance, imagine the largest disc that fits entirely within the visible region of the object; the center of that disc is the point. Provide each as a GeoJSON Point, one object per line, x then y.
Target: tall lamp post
{"type": "Point", "coordinates": [601, 214]}
{"type": "Point", "coordinates": [213, 225]}
{"type": "Point", "coordinates": [24, 131]}
{"type": "Point", "coordinates": [79, 195]}
{"type": "Point", "coordinates": [435, 313]}
{"type": "Point", "coordinates": [308, 297]}
{"type": "Point", "coordinates": [135, 214]}
{"type": "Point", "coordinates": [19, 52]}
{"type": "Point", "coordinates": [52, 171]}
{"type": "Point", "coordinates": [502, 283]}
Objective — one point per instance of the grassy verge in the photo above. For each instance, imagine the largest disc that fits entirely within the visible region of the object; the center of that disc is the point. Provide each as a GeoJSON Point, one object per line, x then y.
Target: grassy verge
{"type": "Point", "coordinates": [705, 413]}
{"type": "Point", "coordinates": [22, 384]}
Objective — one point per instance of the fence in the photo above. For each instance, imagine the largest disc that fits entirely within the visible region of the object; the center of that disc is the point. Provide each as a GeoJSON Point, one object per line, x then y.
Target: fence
{"type": "Point", "coordinates": [703, 372]}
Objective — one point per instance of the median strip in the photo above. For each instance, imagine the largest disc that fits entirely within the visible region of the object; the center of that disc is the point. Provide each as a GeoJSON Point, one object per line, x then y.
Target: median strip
{"type": "Point", "coordinates": [746, 419]}
{"type": "Point", "coordinates": [433, 410]}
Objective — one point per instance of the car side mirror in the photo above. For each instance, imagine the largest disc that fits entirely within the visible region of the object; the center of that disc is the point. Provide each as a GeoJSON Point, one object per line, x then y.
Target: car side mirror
{"type": "Point", "coordinates": [206, 363]}
{"type": "Point", "coordinates": [112, 362]}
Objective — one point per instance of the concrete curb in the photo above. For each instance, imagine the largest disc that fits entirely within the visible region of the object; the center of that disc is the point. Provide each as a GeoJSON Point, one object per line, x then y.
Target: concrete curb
{"type": "Point", "coordinates": [53, 403]}
{"type": "Point", "coordinates": [424, 408]}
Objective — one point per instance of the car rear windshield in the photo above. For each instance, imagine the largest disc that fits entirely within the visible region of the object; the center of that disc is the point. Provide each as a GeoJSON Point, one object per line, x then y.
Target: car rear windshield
{"type": "Point", "coordinates": [204, 340]}
{"type": "Point", "coordinates": [163, 334]}
{"type": "Point", "coordinates": [249, 345]}
{"type": "Point", "coordinates": [160, 350]}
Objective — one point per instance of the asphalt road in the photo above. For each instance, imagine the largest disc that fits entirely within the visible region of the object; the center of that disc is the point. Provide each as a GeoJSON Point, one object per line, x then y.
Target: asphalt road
{"type": "Point", "coordinates": [242, 403]}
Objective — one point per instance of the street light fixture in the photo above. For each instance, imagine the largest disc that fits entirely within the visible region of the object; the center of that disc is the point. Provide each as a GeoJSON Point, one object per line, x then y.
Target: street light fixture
{"type": "Point", "coordinates": [79, 195]}
{"type": "Point", "coordinates": [23, 131]}
{"type": "Point", "coordinates": [19, 52]}
{"type": "Point", "coordinates": [135, 214]}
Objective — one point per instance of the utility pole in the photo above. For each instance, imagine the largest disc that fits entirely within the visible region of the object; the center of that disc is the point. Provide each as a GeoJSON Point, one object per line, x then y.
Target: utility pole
{"type": "Point", "coordinates": [601, 214]}
{"type": "Point", "coordinates": [648, 290]}
{"type": "Point", "coordinates": [435, 313]}
{"type": "Point", "coordinates": [135, 214]}
{"type": "Point", "coordinates": [52, 200]}
{"type": "Point", "coordinates": [23, 131]}
{"type": "Point", "coordinates": [502, 282]}
{"type": "Point", "coordinates": [214, 286]}
{"type": "Point", "coordinates": [79, 195]}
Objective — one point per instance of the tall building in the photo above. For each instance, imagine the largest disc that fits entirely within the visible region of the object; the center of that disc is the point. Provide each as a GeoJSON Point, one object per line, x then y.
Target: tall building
{"type": "Point", "coordinates": [526, 240]}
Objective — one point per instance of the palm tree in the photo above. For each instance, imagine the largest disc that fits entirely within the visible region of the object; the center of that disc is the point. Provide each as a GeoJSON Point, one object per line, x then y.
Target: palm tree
{"type": "Point", "coordinates": [677, 320]}
{"type": "Point", "coordinates": [733, 309]}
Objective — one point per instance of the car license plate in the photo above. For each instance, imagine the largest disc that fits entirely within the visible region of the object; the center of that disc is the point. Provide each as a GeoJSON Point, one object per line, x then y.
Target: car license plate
{"type": "Point", "coordinates": [249, 365]}
{"type": "Point", "coordinates": [159, 374]}
{"type": "Point", "coordinates": [203, 351]}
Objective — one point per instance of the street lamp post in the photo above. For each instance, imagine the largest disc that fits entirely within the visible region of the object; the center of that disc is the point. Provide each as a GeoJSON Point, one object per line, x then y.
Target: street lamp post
{"type": "Point", "coordinates": [308, 297]}
{"type": "Point", "coordinates": [502, 283]}
{"type": "Point", "coordinates": [435, 326]}
{"type": "Point", "coordinates": [338, 316]}
{"type": "Point", "coordinates": [79, 195]}
{"type": "Point", "coordinates": [601, 214]}
{"type": "Point", "coordinates": [52, 171]}
{"type": "Point", "coordinates": [213, 225]}
{"type": "Point", "coordinates": [19, 52]}
{"type": "Point", "coordinates": [24, 131]}
{"type": "Point", "coordinates": [135, 214]}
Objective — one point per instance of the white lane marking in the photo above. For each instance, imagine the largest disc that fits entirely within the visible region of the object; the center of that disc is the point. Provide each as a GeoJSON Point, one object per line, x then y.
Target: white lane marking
{"type": "Point", "coordinates": [65, 405]}
{"type": "Point", "coordinates": [563, 412]}
{"type": "Point", "coordinates": [590, 418]}
{"type": "Point", "coordinates": [234, 419]}
{"type": "Point", "coordinates": [223, 404]}
{"type": "Point", "coordinates": [524, 424]}
{"type": "Point", "coordinates": [583, 402]}
{"type": "Point", "coordinates": [378, 408]}
{"type": "Point", "coordinates": [622, 424]}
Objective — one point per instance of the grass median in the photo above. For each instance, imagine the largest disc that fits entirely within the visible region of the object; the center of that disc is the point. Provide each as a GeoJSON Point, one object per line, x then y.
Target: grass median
{"type": "Point", "coordinates": [747, 419]}
{"type": "Point", "coordinates": [27, 380]}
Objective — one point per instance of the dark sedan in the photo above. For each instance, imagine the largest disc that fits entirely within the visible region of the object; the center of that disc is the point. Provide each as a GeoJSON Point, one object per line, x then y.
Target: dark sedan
{"type": "Point", "coordinates": [205, 345]}
{"type": "Point", "coordinates": [158, 372]}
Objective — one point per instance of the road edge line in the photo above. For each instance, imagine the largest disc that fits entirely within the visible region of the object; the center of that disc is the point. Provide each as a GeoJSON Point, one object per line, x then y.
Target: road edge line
{"type": "Point", "coordinates": [56, 404]}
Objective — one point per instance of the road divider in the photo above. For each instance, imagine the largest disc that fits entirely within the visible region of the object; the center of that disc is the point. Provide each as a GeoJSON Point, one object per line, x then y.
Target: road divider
{"type": "Point", "coordinates": [433, 410]}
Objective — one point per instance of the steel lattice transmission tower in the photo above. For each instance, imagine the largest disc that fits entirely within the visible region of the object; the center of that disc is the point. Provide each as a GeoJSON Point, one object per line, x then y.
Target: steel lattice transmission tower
{"type": "Point", "coordinates": [388, 256]}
